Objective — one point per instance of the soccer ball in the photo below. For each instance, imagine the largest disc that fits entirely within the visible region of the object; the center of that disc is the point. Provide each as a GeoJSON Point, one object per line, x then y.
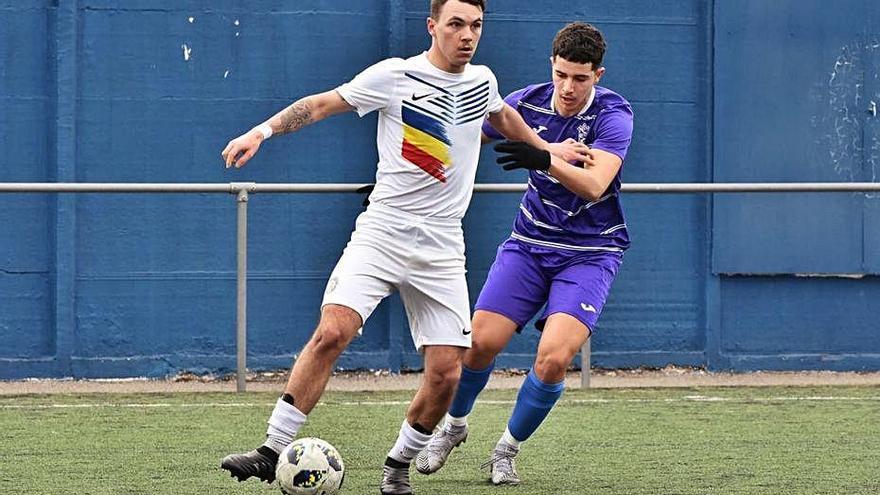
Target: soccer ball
{"type": "Point", "coordinates": [310, 466]}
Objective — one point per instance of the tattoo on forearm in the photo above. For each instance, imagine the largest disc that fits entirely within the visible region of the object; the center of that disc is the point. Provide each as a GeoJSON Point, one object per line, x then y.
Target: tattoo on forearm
{"type": "Point", "coordinates": [296, 116]}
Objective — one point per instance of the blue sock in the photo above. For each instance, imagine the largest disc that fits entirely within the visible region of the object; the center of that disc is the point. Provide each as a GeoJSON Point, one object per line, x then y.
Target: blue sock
{"type": "Point", "coordinates": [472, 383]}
{"type": "Point", "coordinates": [533, 403]}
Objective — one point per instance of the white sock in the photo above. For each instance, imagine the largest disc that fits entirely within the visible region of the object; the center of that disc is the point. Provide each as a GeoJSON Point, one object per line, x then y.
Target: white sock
{"type": "Point", "coordinates": [284, 424]}
{"type": "Point", "coordinates": [409, 444]}
{"type": "Point", "coordinates": [508, 439]}
{"type": "Point", "coordinates": [451, 420]}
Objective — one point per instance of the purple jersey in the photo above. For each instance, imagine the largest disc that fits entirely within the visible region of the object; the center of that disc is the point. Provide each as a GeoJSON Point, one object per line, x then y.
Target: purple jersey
{"type": "Point", "coordinates": [550, 215]}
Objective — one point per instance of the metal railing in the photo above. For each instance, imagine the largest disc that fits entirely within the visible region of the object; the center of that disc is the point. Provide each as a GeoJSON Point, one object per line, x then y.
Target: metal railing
{"type": "Point", "coordinates": [242, 191]}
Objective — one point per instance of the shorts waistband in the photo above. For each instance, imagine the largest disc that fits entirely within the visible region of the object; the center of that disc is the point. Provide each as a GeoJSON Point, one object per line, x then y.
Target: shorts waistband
{"type": "Point", "coordinates": [397, 215]}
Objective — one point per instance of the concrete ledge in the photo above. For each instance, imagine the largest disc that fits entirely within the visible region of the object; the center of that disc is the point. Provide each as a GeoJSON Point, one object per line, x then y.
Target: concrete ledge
{"type": "Point", "coordinates": [382, 380]}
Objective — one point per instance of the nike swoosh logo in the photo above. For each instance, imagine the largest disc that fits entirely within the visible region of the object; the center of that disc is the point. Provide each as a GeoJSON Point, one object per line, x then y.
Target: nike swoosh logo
{"type": "Point", "coordinates": [419, 97]}
{"type": "Point", "coordinates": [466, 332]}
{"type": "Point", "coordinates": [588, 308]}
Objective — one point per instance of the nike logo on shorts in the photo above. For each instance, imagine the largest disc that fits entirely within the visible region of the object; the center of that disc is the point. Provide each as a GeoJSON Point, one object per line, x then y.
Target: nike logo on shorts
{"type": "Point", "coordinates": [465, 331]}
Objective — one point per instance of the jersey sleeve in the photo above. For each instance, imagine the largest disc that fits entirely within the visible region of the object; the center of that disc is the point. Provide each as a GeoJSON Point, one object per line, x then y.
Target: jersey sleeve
{"type": "Point", "coordinates": [495, 101]}
{"type": "Point", "coordinates": [513, 100]}
{"type": "Point", "coordinates": [373, 88]}
{"type": "Point", "coordinates": [614, 131]}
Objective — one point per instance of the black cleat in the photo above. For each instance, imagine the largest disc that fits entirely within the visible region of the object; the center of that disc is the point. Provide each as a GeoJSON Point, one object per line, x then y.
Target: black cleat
{"type": "Point", "coordinates": [258, 463]}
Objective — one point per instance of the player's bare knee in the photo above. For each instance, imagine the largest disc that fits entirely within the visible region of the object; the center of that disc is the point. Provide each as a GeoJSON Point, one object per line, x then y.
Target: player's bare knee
{"type": "Point", "coordinates": [482, 352]}
{"type": "Point", "coordinates": [329, 338]}
{"type": "Point", "coordinates": [551, 368]}
{"type": "Point", "coordinates": [442, 378]}
{"type": "Point", "coordinates": [337, 327]}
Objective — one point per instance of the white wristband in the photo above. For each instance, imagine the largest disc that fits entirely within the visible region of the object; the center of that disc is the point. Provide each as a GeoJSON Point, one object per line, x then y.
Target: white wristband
{"type": "Point", "coordinates": [265, 130]}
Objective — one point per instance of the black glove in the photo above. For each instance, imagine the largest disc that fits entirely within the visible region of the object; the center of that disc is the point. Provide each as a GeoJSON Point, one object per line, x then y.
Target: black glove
{"type": "Point", "coordinates": [522, 155]}
{"type": "Point", "coordinates": [366, 190]}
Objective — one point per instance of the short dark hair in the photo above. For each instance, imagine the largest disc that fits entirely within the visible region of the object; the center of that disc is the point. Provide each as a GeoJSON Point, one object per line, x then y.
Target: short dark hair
{"type": "Point", "coordinates": [437, 5]}
{"type": "Point", "coordinates": [581, 43]}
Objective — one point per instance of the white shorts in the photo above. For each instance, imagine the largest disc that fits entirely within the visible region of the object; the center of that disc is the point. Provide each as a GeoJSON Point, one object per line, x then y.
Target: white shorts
{"type": "Point", "coordinates": [421, 257]}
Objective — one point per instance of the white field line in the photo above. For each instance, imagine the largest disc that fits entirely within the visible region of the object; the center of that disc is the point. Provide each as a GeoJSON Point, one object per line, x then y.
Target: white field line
{"type": "Point", "coordinates": [685, 399]}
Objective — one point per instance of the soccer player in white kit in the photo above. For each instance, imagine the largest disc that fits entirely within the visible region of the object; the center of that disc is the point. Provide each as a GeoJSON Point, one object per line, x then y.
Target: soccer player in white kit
{"type": "Point", "coordinates": [431, 109]}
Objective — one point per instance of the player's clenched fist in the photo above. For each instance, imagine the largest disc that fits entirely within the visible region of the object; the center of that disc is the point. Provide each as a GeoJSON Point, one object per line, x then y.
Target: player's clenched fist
{"type": "Point", "coordinates": [571, 151]}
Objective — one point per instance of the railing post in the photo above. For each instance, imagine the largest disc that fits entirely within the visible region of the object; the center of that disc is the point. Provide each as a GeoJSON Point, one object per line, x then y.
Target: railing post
{"type": "Point", "coordinates": [241, 192]}
{"type": "Point", "coordinates": [585, 364]}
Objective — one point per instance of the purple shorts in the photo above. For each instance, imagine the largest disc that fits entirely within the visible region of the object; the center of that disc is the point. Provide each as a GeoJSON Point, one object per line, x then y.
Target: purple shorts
{"type": "Point", "coordinates": [524, 277]}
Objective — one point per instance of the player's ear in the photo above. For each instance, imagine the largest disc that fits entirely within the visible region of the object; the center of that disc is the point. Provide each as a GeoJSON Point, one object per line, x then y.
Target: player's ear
{"type": "Point", "coordinates": [432, 25]}
{"type": "Point", "coordinates": [599, 73]}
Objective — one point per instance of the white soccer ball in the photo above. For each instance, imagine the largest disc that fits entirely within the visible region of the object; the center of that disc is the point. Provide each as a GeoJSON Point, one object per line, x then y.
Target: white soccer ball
{"type": "Point", "coordinates": [310, 466]}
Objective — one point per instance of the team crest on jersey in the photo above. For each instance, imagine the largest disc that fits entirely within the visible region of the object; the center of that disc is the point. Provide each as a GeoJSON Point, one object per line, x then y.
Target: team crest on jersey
{"type": "Point", "coordinates": [583, 130]}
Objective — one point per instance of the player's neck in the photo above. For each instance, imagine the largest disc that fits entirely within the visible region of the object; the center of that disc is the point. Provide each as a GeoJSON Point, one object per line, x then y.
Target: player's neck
{"type": "Point", "coordinates": [442, 63]}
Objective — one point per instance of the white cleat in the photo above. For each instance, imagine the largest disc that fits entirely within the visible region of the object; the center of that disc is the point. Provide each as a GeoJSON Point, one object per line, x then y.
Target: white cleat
{"type": "Point", "coordinates": [434, 456]}
{"type": "Point", "coordinates": [502, 465]}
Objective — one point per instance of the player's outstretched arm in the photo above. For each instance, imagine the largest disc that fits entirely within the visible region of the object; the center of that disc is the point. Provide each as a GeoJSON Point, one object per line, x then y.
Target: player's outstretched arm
{"type": "Point", "coordinates": [301, 113]}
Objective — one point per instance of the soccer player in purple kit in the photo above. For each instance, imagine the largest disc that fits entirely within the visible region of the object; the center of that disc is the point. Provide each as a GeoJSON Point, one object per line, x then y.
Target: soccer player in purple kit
{"type": "Point", "coordinates": [566, 247]}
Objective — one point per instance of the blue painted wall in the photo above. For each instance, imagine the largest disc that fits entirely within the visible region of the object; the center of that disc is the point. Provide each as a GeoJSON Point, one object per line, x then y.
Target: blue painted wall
{"type": "Point", "coordinates": [151, 91]}
{"type": "Point", "coordinates": [796, 83]}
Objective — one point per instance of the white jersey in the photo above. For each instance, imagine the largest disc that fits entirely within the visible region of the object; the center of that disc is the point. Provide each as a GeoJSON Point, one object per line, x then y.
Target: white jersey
{"type": "Point", "coordinates": [428, 135]}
